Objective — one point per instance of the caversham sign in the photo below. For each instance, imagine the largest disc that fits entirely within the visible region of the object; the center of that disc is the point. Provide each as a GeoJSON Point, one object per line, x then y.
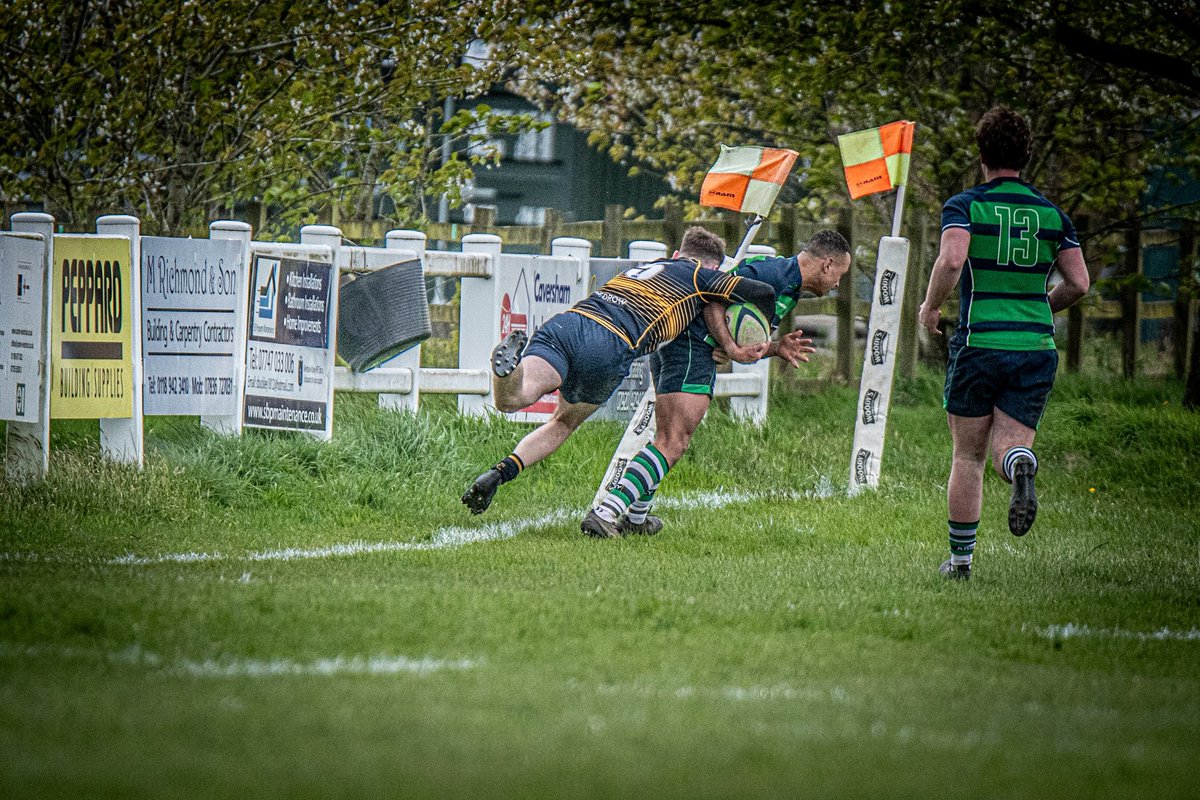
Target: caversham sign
{"type": "Point", "coordinates": [92, 372]}
{"type": "Point", "coordinates": [22, 278]}
{"type": "Point", "coordinates": [533, 289]}
{"type": "Point", "coordinates": [289, 353]}
{"type": "Point", "coordinates": [192, 329]}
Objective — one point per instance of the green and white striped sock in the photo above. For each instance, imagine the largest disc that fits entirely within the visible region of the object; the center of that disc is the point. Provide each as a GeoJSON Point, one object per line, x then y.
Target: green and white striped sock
{"type": "Point", "coordinates": [962, 541]}
{"type": "Point", "coordinates": [640, 480]}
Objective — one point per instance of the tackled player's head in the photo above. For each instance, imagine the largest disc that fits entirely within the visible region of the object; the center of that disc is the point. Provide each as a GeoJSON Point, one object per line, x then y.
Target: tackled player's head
{"type": "Point", "coordinates": [704, 246]}
{"type": "Point", "coordinates": [827, 257]}
{"type": "Point", "coordinates": [1004, 139]}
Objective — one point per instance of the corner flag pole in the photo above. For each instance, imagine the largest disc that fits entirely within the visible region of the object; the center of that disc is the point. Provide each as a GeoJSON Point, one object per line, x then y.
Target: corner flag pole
{"type": "Point", "coordinates": [899, 211]}
{"type": "Point", "coordinates": [751, 230]}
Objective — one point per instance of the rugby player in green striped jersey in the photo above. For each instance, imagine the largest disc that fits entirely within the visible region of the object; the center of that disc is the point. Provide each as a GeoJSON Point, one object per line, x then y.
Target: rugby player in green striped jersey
{"type": "Point", "coordinates": [1003, 360]}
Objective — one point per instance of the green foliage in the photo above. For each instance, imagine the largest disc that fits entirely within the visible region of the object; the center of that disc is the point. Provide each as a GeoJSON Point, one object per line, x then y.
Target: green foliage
{"type": "Point", "coordinates": [1108, 88]}
{"type": "Point", "coordinates": [182, 111]}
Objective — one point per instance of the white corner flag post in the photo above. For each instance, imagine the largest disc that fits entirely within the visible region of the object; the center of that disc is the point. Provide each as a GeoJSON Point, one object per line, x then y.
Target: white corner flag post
{"type": "Point", "coordinates": [744, 179]}
{"type": "Point", "coordinates": [879, 361]}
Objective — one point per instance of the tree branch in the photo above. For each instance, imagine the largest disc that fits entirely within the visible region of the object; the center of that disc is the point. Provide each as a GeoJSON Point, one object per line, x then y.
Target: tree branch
{"type": "Point", "coordinates": [1148, 62]}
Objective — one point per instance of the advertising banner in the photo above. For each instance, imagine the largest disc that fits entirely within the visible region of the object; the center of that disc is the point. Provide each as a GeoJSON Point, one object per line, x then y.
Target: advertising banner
{"type": "Point", "coordinates": [92, 357]}
{"type": "Point", "coordinates": [192, 329]}
{"type": "Point", "coordinates": [879, 365]}
{"type": "Point", "coordinates": [22, 286]}
{"type": "Point", "coordinates": [533, 289]}
{"type": "Point", "coordinates": [289, 353]}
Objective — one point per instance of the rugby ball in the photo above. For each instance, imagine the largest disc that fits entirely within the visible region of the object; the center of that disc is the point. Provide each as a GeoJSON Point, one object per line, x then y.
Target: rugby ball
{"type": "Point", "coordinates": [747, 324]}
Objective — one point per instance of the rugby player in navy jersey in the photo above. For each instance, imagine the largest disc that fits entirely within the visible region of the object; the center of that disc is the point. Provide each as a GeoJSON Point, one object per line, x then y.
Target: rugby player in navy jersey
{"type": "Point", "coordinates": [1002, 356]}
{"type": "Point", "coordinates": [586, 351]}
{"type": "Point", "coordinates": [685, 372]}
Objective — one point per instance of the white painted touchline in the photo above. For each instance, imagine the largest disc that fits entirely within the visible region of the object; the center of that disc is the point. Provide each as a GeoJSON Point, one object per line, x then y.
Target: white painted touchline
{"type": "Point", "coordinates": [720, 499]}
{"type": "Point", "coordinates": [442, 538]}
{"type": "Point", "coordinates": [453, 536]}
{"type": "Point", "coordinates": [230, 667]}
{"type": "Point", "coordinates": [340, 665]}
{"type": "Point", "coordinates": [1071, 630]}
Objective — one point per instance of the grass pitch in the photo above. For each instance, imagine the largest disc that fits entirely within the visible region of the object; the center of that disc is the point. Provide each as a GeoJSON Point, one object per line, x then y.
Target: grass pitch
{"type": "Point", "coordinates": [276, 617]}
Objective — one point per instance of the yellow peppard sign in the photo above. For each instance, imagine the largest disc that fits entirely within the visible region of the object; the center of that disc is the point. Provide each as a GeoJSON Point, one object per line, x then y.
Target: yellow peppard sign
{"type": "Point", "coordinates": [91, 339]}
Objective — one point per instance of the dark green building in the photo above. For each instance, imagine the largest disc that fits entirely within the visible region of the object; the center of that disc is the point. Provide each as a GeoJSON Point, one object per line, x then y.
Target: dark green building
{"type": "Point", "coordinates": [554, 168]}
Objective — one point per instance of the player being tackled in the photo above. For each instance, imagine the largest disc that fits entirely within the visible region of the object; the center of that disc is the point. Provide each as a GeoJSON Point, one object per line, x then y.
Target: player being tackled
{"type": "Point", "coordinates": [586, 351]}
{"type": "Point", "coordinates": [685, 372]}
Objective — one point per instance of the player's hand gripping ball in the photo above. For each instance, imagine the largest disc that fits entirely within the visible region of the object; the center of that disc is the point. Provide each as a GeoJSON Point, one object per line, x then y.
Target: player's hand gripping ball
{"type": "Point", "coordinates": [747, 324]}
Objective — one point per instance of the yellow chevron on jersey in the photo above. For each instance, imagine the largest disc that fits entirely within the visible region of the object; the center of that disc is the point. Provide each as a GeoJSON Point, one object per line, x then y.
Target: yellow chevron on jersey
{"type": "Point", "coordinates": [653, 304]}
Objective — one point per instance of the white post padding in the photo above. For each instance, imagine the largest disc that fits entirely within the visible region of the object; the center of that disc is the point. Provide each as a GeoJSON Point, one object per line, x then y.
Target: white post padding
{"type": "Point", "coordinates": [413, 241]}
{"type": "Point", "coordinates": [123, 439]}
{"type": "Point", "coordinates": [27, 457]}
{"type": "Point", "coordinates": [643, 250]}
{"type": "Point", "coordinates": [753, 407]}
{"type": "Point", "coordinates": [879, 364]}
{"type": "Point", "coordinates": [581, 251]}
{"type": "Point", "coordinates": [239, 232]}
{"type": "Point", "coordinates": [479, 320]}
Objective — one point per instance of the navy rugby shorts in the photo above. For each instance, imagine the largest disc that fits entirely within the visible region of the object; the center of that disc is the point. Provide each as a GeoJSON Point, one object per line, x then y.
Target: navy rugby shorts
{"type": "Point", "coordinates": [684, 364]}
{"type": "Point", "coordinates": [1017, 382]}
{"type": "Point", "coordinates": [591, 359]}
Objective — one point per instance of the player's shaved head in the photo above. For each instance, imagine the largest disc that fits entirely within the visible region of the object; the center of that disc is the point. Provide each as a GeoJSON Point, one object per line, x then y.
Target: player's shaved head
{"type": "Point", "coordinates": [703, 245]}
{"type": "Point", "coordinates": [827, 244]}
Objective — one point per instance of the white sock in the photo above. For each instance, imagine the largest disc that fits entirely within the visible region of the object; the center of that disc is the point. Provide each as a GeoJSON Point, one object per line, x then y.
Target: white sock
{"type": "Point", "coordinates": [1011, 457]}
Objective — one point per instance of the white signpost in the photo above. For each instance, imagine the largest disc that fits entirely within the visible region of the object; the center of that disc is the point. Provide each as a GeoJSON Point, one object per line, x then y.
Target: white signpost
{"type": "Point", "coordinates": [193, 325]}
{"type": "Point", "coordinates": [879, 365]}
{"type": "Point", "coordinates": [27, 444]}
{"type": "Point", "coordinates": [290, 345]}
{"type": "Point", "coordinates": [22, 308]}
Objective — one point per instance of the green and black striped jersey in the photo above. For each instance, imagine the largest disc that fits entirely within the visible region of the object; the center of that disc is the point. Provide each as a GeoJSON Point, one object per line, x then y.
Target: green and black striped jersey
{"type": "Point", "coordinates": [1016, 236]}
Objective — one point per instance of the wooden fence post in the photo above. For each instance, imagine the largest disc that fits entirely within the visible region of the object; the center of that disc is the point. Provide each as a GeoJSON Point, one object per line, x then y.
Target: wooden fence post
{"type": "Point", "coordinates": [1131, 295]}
{"type": "Point", "coordinates": [610, 243]}
{"type": "Point", "coordinates": [787, 231]}
{"type": "Point", "coordinates": [484, 219]}
{"type": "Point", "coordinates": [672, 224]}
{"type": "Point", "coordinates": [845, 302]}
{"type": "Point", "coordinates": [1075, 314]}
{"type": "Point", "coordinates": [1191, 390]}
{"type": "Point", "coordinates": [909, 344]}
{"type": "Point", "coordinates": [550, 229]}
{"type": "Point", "coordinates": [1185, 297]}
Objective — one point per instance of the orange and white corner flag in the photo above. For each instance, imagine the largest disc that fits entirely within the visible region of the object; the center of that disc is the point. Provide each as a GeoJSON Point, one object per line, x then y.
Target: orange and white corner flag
{"type": "Point", "coordinates": [876, 160]}
{"type": "Point", "coordinates": [747, 179]}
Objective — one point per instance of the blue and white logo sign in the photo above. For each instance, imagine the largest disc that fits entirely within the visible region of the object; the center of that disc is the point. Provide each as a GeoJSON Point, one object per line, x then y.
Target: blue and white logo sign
{"type": "Point", "coordinates": [266, 288]}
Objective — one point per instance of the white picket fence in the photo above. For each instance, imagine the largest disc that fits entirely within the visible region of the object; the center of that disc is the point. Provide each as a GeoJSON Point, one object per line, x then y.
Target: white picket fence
{"type": "Point", "coordinates": [498, 291]}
